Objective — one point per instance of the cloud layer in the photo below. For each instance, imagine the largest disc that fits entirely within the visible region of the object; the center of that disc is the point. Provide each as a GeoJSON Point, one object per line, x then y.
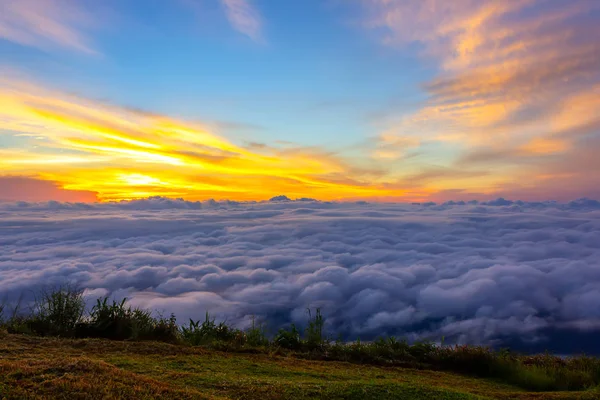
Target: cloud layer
{"type": "Point", "coordinates": [476, 273]}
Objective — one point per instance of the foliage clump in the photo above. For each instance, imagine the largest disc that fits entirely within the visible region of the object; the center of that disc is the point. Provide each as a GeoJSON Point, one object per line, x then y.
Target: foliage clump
{"type": "Point", "coordinates": [119, 322]}
{"type": "Point", "coordinates": [55, 312]}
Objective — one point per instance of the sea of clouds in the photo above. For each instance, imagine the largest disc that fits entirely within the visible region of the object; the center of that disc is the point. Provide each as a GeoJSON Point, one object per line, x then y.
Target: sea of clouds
{"type": "Point", "coordinates": [480, 273]}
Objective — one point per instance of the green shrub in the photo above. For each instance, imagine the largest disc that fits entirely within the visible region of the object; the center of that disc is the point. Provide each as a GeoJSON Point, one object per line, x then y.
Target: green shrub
{"type": "Point", "coordinates": [423, 350]}
{"type": "Point", "coordinates": [357, 351]}
{"type": "Point", "coordinates": [111, 321]}
{"type": "Point", "coordinates": [386, 350]}
{"type": "Point", "coordinates": [288, 339]}
{"type": "Point", "coordinates": [314, 330]}
{"type": "Point", "coordinates": [162, 330]}
{"type": "Point", "coordinates": [55, 312]}
{"type": "Point", "coordinates": [208, 332]}
{"type": "Point", "coordinates": [256, 335]}
{"type": "Point", "coordinates": [118, 322]}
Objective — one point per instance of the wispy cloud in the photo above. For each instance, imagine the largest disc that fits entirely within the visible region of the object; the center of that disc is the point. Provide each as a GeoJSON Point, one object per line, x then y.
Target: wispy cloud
{"type": "Point", "coordinates": [517, 79]}
{"type": "Point", "coordinates": [45, 24]}
{"type": "Point", "coordinates": [244, 18]}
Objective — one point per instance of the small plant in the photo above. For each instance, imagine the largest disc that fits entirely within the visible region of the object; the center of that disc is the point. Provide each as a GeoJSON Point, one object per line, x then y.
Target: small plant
{"type": "Point", "coordinates": [388, 349]}
{"type": "Point", "coordinates": [208, 332]}
{"type": "Point", "coordinates": [109, 320]}
{"type": "Point", "coordinates": [288, 339]}
{"type": "Point", "coordinates": [163, 329]}
{"type": "Point", "coordinates": [118, 322]}
{"type": "Point", "coordinates": [256, 336]}
{"type": "Point", "coordinates": [57, 312]}
{"type": "Point", "coordinates": [191, 334]}
{"type": "Point", "coordinates": [357, 351]}
{"type": "Point", "coordinates": [314, 330]}
{"type": "Point", "coordinates": [423, 350]}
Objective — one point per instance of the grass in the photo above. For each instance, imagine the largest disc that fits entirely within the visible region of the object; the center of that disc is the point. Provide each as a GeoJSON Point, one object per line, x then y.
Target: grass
{"type": "Point", "coordinates": [53, 368]}
{"type": "Point", "coordinates": [206, 358]}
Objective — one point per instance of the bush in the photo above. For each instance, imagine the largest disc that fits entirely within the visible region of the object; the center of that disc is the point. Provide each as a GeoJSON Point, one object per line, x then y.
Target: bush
{"type": "Point", "coordinates": [118, 322]}
{"type": "Point", "coordinates": [288, 339]}
{"type": "Point", "coordinates": [388, 349]}
{"type": "Point", "coordinates": [208, 332]}
{"type": "Point", "coordinates": [162, 330]}
{"type": "Point", "coordinates": [256, 335]}
{"type": "Point", "coordinates": [55, 312]}
{"type": "Point", "coordinates": [61, 310]}
{"type": "Point", "coordinates": [314, 330]}
{"type": "Point", "coordinates": [111, 321]}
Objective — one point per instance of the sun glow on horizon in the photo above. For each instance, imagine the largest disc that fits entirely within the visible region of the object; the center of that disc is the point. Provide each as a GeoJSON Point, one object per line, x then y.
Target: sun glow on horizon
{"type": "Point", "coordinates": [122, 154]}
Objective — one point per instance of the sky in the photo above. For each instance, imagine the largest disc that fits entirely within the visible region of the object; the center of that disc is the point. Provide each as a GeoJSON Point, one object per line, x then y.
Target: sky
{"type": "Point", "coordinates": [379, 100]}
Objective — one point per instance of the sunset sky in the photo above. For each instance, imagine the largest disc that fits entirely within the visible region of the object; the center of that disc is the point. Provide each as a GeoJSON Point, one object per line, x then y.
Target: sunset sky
{"type": "Point", "coordinates": [379, 100]}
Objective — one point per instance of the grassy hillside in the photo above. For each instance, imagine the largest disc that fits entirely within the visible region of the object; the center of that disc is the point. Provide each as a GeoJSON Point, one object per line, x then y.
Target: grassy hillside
{"type": "Point", "coordinates": [50, 368]}
{"type": "Point", "coordinates": [115, 351]}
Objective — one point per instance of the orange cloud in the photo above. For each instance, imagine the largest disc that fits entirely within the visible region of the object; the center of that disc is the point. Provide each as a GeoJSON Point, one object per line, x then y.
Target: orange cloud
{"type": "Point", "coordinates": [545, 146]}
{"type": "Point", "coordinates": [578, 110]}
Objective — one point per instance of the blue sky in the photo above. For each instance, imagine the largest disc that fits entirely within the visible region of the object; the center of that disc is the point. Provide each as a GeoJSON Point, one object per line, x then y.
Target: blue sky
{"type": "Point", "coordinates": [314, 78]}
